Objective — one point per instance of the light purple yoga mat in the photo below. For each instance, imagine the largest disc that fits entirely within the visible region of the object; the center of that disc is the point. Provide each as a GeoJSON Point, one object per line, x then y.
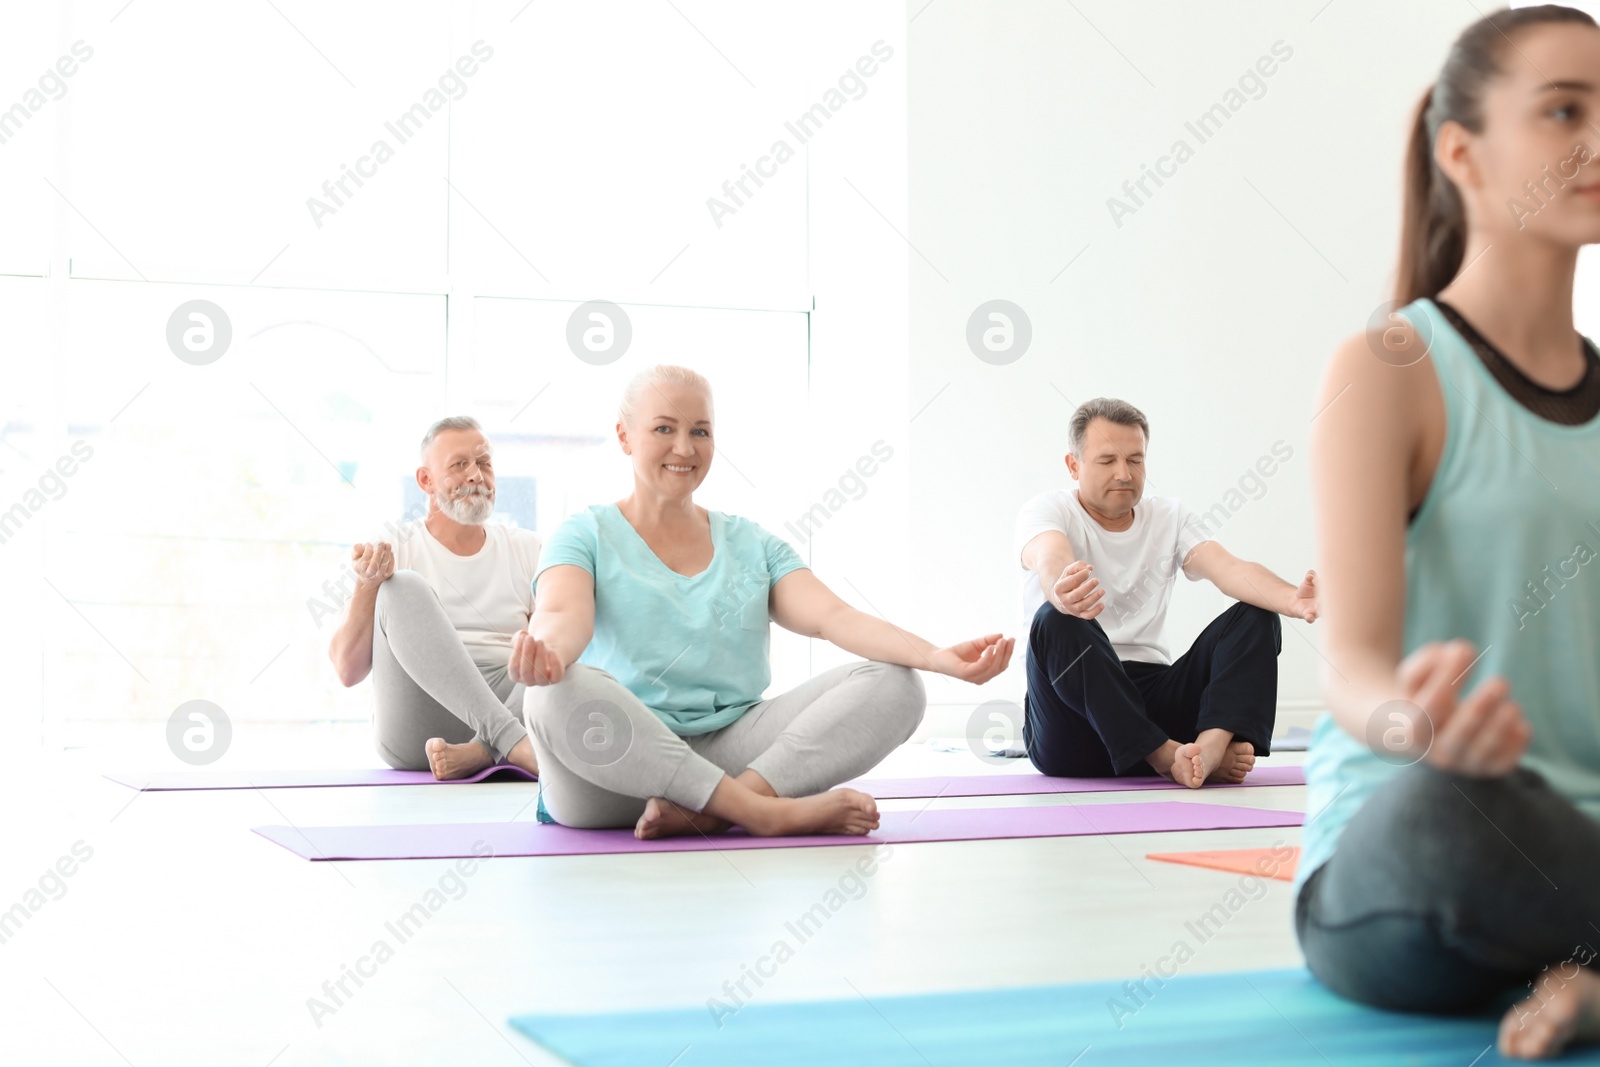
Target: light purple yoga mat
{"type": "Point", "coordinates": [1001, 785]}
{"type": "Point", "coordinates": [449, 840]}
{"type": "Point", "coordinates": [163, 781]}
{"type": "Point", "coordinates": [976, 785]}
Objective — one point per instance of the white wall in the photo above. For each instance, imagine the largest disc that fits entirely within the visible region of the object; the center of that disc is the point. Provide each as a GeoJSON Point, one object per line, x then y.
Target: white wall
{"type": "Point", "coordinates": [860, 337]}
{"type": "Point", "coordinates": [1212, 307]}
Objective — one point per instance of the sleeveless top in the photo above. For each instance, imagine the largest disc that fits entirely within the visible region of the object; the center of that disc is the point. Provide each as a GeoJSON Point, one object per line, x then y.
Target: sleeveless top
{"type": "Point", "coordinates": [1502, 552]}
{"type": "Point", "coordinates": [1569, 407]}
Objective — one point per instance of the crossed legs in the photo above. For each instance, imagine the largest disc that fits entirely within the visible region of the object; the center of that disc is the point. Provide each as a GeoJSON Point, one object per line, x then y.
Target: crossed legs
{"type": "Point", "coordinates": [609, 761]}
{"type": "Point", "coordinates": [434, 707]}
{"type": "Point", "coordinates": [1205, 716]}
{"type": "Point", "coordinates": [1448, 893]}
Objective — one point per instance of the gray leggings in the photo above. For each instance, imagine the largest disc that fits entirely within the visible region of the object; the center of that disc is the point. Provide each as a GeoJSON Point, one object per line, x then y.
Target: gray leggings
{"type": "Point", "coordinates": [426, 684]}
{"type": "Point", "coordinates": [1448, 893]}
{"type": "Point", "coordinates": [602, 752]}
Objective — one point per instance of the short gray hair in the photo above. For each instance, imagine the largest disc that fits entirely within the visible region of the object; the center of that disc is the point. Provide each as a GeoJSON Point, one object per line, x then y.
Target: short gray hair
{"type": "Point", "coordinates": [1112, 410]}
{"type": "Point", "coordinates": [454, 422]}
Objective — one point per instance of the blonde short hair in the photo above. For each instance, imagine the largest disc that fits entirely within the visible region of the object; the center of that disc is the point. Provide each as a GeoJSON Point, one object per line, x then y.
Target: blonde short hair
{"type": "Point", "coordinates": [654, 375]}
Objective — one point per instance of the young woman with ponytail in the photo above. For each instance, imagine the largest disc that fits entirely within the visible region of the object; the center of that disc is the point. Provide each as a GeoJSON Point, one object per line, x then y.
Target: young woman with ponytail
{"type": "Point", "coordinates": [1451, 855]}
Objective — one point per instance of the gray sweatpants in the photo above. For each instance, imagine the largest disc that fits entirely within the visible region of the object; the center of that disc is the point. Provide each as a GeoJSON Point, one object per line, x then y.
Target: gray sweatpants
{"type": "Point", "coordinates": [426, 684]}
{"type": "Point", "coordinates": [602, 752]}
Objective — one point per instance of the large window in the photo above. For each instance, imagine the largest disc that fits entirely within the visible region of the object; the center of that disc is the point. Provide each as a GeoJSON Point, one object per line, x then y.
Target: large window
{"type": "Point", "coordinates": [387, 213]}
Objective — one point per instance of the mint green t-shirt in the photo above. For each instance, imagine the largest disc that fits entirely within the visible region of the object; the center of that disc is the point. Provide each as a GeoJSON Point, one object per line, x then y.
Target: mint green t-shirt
{"type": "Point", "coordinates": [694, 650]}
{"type": "Point", "coordinates": [1504, 552]}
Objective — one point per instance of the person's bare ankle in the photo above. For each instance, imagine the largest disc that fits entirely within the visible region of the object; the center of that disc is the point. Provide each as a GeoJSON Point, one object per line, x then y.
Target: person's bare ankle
{"type": "Point", "coordinates": [522, 755]}
{"type": "Point", "coordinates": [662, 818]}
{"type": "Point", "coordinates": [764, 817]}
{"type": "Point", "coordinates": [756, 784]}
{"type": "Point", "coordinates": [1161, 758]}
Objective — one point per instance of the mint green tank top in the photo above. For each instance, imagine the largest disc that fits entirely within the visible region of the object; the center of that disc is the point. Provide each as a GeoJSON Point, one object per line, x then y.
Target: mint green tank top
{"type": "Point", "coordinates": [1505, 552]}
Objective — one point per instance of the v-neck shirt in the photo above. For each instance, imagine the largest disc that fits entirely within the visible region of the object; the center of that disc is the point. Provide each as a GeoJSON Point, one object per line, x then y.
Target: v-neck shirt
{"type": "Point", "coordinates": [695, 649]}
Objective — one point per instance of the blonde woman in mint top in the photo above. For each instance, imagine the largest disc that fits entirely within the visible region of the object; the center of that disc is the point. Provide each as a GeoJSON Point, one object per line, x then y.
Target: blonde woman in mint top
{"type": "Point", "coordinates": [1451, 853]}
{"type": "Point", "coordinates": [647, 656]}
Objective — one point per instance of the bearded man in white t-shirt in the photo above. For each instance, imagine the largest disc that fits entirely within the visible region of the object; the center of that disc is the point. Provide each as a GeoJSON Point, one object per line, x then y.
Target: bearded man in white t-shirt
{"type": "Point", "coordinates": [433, 615]}
{"type": "Point", "coordinates": [1104, 699]}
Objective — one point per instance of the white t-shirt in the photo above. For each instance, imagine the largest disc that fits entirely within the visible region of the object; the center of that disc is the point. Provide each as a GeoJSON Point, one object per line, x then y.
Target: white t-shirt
{"type": "Point", "coordinates": [488, 596]}
{"type": "Point", "coordinates": [1135, 566]}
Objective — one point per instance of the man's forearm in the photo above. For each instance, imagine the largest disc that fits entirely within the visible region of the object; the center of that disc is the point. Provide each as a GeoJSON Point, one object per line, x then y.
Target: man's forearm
{"type": "Point", "coordinates": [351, 646]}
{"type": "Point", "coordinates": [1049, 568]}
{"type": "Point", "coordinates": [1254, 584]}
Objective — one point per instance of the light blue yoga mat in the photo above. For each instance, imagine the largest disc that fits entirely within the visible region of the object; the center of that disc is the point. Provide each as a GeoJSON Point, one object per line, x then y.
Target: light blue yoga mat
{"type": "Point", "coordinates": [1261, 1018]}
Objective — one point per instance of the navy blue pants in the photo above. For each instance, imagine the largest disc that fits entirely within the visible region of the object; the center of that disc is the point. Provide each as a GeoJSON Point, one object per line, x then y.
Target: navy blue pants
{"type": "Point", "coordinates": [1092, 715]}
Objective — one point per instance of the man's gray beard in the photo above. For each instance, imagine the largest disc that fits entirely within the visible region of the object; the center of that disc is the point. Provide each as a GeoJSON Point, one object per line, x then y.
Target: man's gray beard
{"type": "Point", "coordinates": [468, 510]}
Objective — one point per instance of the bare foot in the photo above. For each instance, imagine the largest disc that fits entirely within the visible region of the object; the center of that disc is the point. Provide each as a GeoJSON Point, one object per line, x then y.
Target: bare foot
{"type": "Point", "coordinates": [1188, 766]}
{"type": "Point", "coordinates": [449, 761]}
{"type": "Point", "coordinates": [663, 818]}
{"type": "Point", "coordinates": [1238, 760]}
{"type": "Point", "coordinates": [1183, 763]}
{"type": "Point", "coordinates": [838, 811]}
{"type": "Point", "coordinates": [1165, 760]}
{"type": "Point", "coordinates": [1562, 1011]}
{"type": "Point", "coordinates": [1196, 761]}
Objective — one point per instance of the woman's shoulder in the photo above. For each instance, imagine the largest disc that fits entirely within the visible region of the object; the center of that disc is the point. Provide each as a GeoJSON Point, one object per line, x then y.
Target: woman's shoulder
{"type": "Point", "coordinates": [1399, 338]}
{"type": "Point", "coordinates": [739, 526]}
{"type": "Point", "coordinates": [582, 525]}
{"type": "Point", "coordinates": [747, 535]}
{"type": "Point", "coordinates": [1391, 371]}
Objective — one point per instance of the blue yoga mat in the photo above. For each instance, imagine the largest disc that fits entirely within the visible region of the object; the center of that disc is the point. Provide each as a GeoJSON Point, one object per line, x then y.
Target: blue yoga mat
{"type": "Point", "coordinates": [1269, 1018]}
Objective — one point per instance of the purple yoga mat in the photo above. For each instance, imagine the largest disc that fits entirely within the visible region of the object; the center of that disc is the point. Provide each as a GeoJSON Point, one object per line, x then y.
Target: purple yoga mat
{"type": "Point", "coordinates": [449, 840]}
{"type": "Point", "coordinates": [277, 779]}
{"type": "Point", "coordinates": [974, 785]}
{"type": "Point", "coordinates": [1002, 785]}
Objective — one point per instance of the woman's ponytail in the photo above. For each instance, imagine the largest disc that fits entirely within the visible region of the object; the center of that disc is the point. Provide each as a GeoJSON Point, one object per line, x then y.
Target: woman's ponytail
{"type": "Point", "coordinates": [1433, 228]}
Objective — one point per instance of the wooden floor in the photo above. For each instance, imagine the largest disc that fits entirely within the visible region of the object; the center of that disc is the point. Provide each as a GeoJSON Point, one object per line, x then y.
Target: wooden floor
{"type": "Point", "coordinates": [186, 939]}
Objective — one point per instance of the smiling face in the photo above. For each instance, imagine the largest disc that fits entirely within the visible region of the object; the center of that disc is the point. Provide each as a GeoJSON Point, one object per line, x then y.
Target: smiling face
{"type": "Point", "coordinates": [458, 476]}
{"type": "Point", "coordinates": [670, 439]}
{"type": "Point", "coordinates": [1534, 168]}
{"type": "Point", "coordinates": [1110, 473]}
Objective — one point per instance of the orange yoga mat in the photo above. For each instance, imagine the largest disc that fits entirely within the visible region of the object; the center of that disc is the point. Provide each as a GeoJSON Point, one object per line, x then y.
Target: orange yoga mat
{"type": "Point", "coordinates": [1276, 863]}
